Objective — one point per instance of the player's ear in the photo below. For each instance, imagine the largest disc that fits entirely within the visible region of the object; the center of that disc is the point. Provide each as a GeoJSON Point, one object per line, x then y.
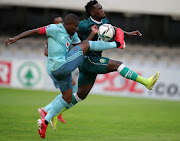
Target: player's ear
{"type": "Point", "coordinates": [92, 13]}
{"type": "Point", "coordinates": [68, 24]}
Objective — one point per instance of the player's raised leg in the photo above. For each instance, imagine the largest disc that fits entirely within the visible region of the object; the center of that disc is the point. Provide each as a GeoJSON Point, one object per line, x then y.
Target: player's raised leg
{"type": "Point", "coordinates": [130, 74]}
{"type": "Point", "coordinates": [152, 80]}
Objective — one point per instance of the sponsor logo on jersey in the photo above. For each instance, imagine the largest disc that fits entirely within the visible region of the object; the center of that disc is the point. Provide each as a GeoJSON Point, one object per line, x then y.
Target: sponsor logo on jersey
{"type": "Point", "coordinates": [67, 44]}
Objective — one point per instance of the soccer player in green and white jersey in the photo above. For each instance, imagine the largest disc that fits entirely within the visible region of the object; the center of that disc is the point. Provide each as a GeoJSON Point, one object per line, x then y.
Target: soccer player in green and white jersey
{"type": "Point", "coordinates": [61, 61]}
{"type": "Point", "coordinates": [91, 65]}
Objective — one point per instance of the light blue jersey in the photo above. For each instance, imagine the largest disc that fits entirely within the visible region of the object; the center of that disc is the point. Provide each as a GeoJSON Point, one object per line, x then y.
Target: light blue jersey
{"type": "Point", "coordinates": [59, 42]}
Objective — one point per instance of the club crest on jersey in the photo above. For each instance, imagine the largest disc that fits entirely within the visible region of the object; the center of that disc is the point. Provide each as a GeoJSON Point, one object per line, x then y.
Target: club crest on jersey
{"type": "Point", "coordinates": [67, 44]}
{"type": "Point", "coordinates": [102, 60]}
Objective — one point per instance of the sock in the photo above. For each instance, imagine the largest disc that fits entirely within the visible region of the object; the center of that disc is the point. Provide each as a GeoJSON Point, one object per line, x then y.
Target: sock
{"type": "Point", "coordinates": [46, 122]}
{"type": "Point", "coordinates": [129, 74]}
{"type": "Point", "coordinates": [48, 107]}
{"type": "Point", "coordinates": [56, 108]}
{"type": "Point", "coordinates": [75, 100]}
{"type": "Point", "coordinates": [100, 45]}
{"type": "Point", "coordinates": [75, 88]}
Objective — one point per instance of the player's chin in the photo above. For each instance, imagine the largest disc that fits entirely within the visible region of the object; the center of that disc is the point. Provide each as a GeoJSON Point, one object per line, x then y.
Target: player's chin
{"type": "Point", "coordinates": [103, 15]}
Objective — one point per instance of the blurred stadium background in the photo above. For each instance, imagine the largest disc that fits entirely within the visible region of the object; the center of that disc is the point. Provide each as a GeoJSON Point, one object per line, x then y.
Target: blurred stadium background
{"type": "Point", "coordinates": [157, 49]}
{"type": "Point", "coordinates": [23, 65]}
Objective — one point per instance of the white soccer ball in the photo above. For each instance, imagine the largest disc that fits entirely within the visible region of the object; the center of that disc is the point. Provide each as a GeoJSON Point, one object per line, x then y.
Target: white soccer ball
{"type": "Point", "coordinates": [106, 32]}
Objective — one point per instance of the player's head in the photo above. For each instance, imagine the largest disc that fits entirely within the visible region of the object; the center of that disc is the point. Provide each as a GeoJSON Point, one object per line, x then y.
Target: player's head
{"type": "Point", "coordinates": [71, 23]}
{"type": "Point", "coordinates": [57, 19]}
{"type": "Point", "coordinates": [94, 9]}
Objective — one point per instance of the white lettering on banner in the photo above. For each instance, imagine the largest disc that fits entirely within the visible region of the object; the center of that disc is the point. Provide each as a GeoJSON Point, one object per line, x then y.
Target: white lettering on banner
{"type": "Point", "coordinates": [167, 87]}
{"type": "Point", "coordinates": [4, 72]}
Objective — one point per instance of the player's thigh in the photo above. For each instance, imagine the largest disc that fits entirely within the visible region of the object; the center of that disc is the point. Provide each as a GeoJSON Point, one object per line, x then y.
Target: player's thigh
{"type": "Point", "coordinates": [56, 84]}
{"type": "Point", "coordinates": [84, 90]}
{"type": "Point", "coordinates": [85, 84]}
{"type": "Point", "coordinates": [86, 78]}
{"type": "Point", "coordinates": [113, 65]}
{"type": "Point", "coordinates": [65, 83]}
{"type": "Point", "coordinates": [73, 60]}
{"type": "Point", "coordinates": [94, 65]}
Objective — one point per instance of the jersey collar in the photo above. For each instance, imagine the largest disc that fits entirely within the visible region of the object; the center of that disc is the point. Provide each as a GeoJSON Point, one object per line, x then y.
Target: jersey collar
{"type": "Point", "coordinates": [95, 20]}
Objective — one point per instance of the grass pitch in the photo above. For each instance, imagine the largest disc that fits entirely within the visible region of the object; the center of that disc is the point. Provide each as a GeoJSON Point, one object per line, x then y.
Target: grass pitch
{"type": "Point", "coordinates": [98, 118]}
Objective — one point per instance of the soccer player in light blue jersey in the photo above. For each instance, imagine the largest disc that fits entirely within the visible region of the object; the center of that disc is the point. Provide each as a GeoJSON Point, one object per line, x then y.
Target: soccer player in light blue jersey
{"type": "Point", "coordinates": [61, 61]}
{"type": "Point", "coordinates": [43, 110]}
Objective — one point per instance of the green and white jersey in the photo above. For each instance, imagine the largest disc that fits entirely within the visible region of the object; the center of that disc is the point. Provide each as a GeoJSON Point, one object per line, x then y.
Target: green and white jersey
{"type": "Point", "coordinates": [59, 42]}
{"type": "Point", "coordinates": [85, 28]}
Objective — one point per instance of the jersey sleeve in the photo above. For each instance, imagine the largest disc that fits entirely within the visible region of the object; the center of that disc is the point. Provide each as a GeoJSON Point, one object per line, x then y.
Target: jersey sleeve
{"type": "Point", "coordinates": [76, 39]}
{"type": "Point", "coordinates": [51, 30]}
{"type": "Point", "coordinates": [81, 27]}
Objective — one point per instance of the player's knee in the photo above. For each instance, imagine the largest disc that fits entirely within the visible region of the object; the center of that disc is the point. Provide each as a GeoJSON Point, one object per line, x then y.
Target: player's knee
{"type": "Point", "coordinates": [113, 65]}
{"type": "Point", "coordinates": [69, 99]}
{"type": "Point", "coordinates": [81, 94]}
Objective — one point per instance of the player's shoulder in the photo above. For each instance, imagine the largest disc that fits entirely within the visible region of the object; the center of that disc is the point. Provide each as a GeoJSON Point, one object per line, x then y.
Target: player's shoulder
{"type": "Point", "coordinates": [85, 22]}
{"type": "Point", "coordinates": [54, 26]}
{"type": "Point", "coordinates": [105, 20]}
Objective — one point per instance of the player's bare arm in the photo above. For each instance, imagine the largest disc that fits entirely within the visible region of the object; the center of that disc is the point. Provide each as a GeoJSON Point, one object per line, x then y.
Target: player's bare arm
{"type": "Point", "coordinates": [22, 35]}
{"type": "Point", "coordinates": [94, 31]}
{"type": "Point", "coordinates": [132, 33]}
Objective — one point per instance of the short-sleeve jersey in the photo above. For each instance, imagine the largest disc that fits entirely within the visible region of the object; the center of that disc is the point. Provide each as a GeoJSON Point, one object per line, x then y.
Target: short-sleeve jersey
{"type": "Point", "coordinates": [59, 42]}
{"type": "Point", "coordinates": [85, 28]}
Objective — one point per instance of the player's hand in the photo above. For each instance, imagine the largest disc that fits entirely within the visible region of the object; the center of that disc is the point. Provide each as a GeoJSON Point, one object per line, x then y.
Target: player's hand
{"type": "Point", "coordinates": [135, 33]}
{"type": "Point", "coordinates": [10, 41]}
{"type": "Point", "coordinates": [94, 29]}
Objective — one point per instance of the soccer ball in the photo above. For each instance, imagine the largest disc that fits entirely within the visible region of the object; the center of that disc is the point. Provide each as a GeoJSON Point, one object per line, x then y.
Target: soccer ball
{"type": "Point", "coordinates": [106, 32]}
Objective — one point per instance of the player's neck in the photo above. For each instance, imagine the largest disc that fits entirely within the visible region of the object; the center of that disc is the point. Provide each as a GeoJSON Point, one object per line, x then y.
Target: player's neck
{"type": "Point", "coordinates": [96, 20]}
{"type": "Point", "coordinates": [66, 28]}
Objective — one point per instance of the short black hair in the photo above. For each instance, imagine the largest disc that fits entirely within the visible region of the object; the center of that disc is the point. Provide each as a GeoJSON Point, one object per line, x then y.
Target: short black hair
{"type": "Point", "coordinates": [89, 6]}
{"type": "Point", "coordinates": [54, 16]}
{"type": "Point", "coordinates": [71, 18]}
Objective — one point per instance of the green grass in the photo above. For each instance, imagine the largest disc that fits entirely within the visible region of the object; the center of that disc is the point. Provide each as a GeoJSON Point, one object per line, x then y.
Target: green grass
{"type": "Point", "coordinates": [98, 118]}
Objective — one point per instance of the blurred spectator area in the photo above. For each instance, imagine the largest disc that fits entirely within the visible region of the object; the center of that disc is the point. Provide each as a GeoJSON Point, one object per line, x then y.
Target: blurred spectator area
{"type": "Point", "coordinates": [158, 30]}
{"type": "Point", "coordinates": [133, 55]}
{"type": "Point", "coordinates": [158, 47]}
